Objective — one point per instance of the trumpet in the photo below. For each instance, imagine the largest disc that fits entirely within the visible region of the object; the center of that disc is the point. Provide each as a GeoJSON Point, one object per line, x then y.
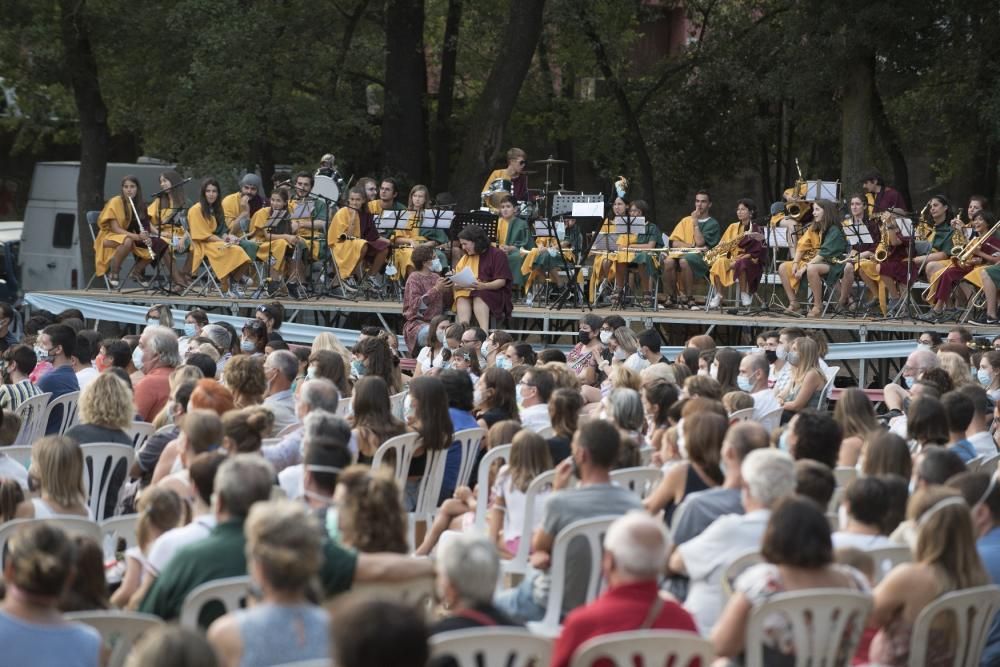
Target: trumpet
{"type": "Point", "coordinates": [958, 237]}
{"type": "Point", "coordinates": [145, 237]}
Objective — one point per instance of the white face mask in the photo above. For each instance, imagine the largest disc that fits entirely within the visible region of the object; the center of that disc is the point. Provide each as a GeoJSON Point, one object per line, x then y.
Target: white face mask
{"type": "Point", "coordinates": [436, 265]}
{"type": "Point", "coordinates": [484, 349]}
{"type": "Point", "coordinates": [782, 352]}
{"type": "Point", "coordinates": [137, 358]}
{"type": "Point", "coordinates": [620, 355]}
{"type": "Point", "coordinates": [605, 337]}
{"type": "Point", "coordinates": [477, 396]}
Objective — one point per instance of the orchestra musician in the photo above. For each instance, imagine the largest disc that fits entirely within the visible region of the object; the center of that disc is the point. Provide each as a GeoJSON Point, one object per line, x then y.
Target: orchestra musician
{"type": "Point", "coordinates": [378, 246]}
{"type": "Point", "coordinates": [511, 176]}
{"type": "Point", "coordinates": [344, 240]}
{"type": "Point", "coordinates": [817, 262]}
{"type": "Point", "coordinates": [698, 231]}
{"type": "Point", "coordinates": [405, 240]}
{"type": "Point", "coordinates": [328, 167]}
{"type": "Point", "coordinates": [491, 293]}
{"type": "Point", "coordinates": [120, 233]}
{"type": "Point", "coordinates": [944, 282]}
{"type": "Point", "coordinates": [889, 275]}
{"type": "Point", "coordinates": [168, 221]}
{"type": "Point", "coordinates": [211, 240]}
{"type": "Point", "coordinates": [976, 204]}
{"type": "Point", "coordinates": [309, 215]}
{"type": "Point", "coordinates": [860, 260]}
{"type": "Point", "coordinates": [938, 245]}
{"type": "Point", "coordinates": [643, 263]}
{"type": "Point", "coordinates": [514, 239]}
{"type": "Point", "coordinates": [603, 270]}
{"type": "Point", "coordinates": [269, 237]}
{"type": "Point", "coordinates": [543, 260]}
{"type": "Point", "coordinates": [240, 207]}
{"type": "Point", "coordinates": [745, 260]}
{"type": "Point", "coordinates": [879, 196]}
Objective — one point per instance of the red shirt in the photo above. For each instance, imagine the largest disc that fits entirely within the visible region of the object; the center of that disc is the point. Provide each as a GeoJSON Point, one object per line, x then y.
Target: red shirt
{"type": "Point", "coordinates": [151, 392]}
{"type": "Point", "coordinates": [619, 609]}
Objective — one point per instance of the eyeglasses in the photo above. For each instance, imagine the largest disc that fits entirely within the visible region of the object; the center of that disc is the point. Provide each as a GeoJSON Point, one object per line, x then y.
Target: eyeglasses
{"type": "Point", "coordinates": [522, 162]}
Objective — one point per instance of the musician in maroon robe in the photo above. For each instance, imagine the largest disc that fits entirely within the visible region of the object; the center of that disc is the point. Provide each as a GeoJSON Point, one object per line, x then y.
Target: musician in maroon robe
{"type": "Point", "coordinates": [491, 294]}
{"type": "Point", "coordinates": [879, 195]}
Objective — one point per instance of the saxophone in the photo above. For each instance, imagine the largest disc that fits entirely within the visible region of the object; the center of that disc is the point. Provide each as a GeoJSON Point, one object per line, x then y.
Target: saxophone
{"type": "Point", "coordinates": [882, 249]}
{"type": "Point", "coordinates": [725, 248]}
{"type": "Point", "coordinates": [963, 258]}
{"type": "Point", "coordinates": [958, 237]}
{"type": "Point", "coordinates": [924, 228]}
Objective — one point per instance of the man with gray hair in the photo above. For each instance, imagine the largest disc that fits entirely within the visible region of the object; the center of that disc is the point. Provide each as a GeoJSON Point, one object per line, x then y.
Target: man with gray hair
{"type": "Point", "coordinates": [635, 554]}
{"type": "Point", "coordinates": [768, 476]}
{"type": "Point", "coordinates": [157, 357]}
{"type": "Point", "coordinates": [467, 570]}
{"type": "Point", "coordinates": [919, 361]}
{"type": "Point", "coordinates": [317, 394]}
{"type": "Point", "coordinates": [222, 341]}
{"type": "Point", "coordinates": [280, 370]}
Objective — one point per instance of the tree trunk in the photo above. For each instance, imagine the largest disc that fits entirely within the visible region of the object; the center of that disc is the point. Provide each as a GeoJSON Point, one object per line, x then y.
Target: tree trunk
{"type": "Point", "coordinates": [404, 141]}
{"type": "Point", "coordinates": [894, 147]}
{"type": "Point", "coordinates": [856, 116]}
{"type": "Point", "coordinates": [350, 27]}
{"type": "Point", "coordinates": [95, 138]}
{"type": "Point", "coordinates": [485, 131]}
{"type": "Point", "coordinates": [445, 97]}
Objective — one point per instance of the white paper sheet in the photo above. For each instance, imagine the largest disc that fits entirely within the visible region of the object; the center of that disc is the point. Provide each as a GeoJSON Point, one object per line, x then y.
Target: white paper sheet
{"type": "Point", "coordinates": [464, 278]}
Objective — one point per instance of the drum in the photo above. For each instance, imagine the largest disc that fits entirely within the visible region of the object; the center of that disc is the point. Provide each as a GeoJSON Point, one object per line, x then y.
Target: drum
{"type": "Point", "coordinates": [325, 186]}
{"type": "Point", "coordinates": [496, 191]}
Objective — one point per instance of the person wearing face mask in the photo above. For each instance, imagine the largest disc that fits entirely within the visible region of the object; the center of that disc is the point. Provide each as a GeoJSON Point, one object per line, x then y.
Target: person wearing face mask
{"type": "Point", "coordinates": [194, 322]}
{"type": "Point", "coordinates": [319, 399]}
{"type": "Point", "coordinates": [280, 369]}
{"type": "Point", "coordinates": [583, 359]}
{"type": "Point", "coordinates": [608, 326]}
{"type": "Point", "coordinates": [496, 341]}
{"type": "Point", "coordinates": [917, 363]}
{"type": "Point", "coordinates": [56, 344]}
{"type": "Point", "coordinates": [533, 393]}
{"type": "Point", "coordinates": [473, 340]}
{"type": "Point", "coordinates": [805, 388]}
{"type": "Point", "coordinates": [989, 374]}
{"type": "Point", "coordinates": [752, 379]}
{"type": "Point", "coordinates": [8, 336]}
{"type": "Point", "coordinates": [18, 362]}
{"type": "Point", "coordinates": [254, 338]}
{"type": "Point", "coordinates": [148, 455]}
{"type": "Point", "coordinates": [156, 356]}
{"type": "Point", "coordinates": [430, 354]}
{"type": "Point", "coordinates": [649, 347]}
{"type": "Point", "coordinates": [781, 370]}
{"type": "Point", "coordinates": [424, 298]}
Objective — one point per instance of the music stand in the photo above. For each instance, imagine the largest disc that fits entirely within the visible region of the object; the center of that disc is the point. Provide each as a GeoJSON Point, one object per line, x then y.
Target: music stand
{"type": "Point", "coordinates": [906, 309]}
{"type": "Point", "coordinates": [488, 221]}
{"type": "Point", "coordinates": [588, 228]}
{"type": "Point", "coordinates": [777, 237]}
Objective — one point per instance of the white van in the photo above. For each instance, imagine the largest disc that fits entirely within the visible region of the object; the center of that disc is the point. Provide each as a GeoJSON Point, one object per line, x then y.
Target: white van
{"type": "Point", "coordinates": [50, 247]}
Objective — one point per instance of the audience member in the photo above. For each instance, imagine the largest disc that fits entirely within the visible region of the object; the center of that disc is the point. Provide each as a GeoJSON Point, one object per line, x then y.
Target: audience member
{"type": "Point", "coordinates": [18, 363]}
{"type": "Point", "coordinates": [57, 464]}
{"type": "Point", "coordinates": [171, 646]}
{"type": "Point", "coordinates": [280, 370]}
{"type": "Point", "coordinates": [157, 357]}
{"type": "Point", "coordinates": [813, 435]}
{"type": "Point", "coordinates": [361, 625]}
{"type": "Point", "coordinates": [55, 345]}
{"type": "Point", "coordinates": [318, 394]}
{"type": "Point", "coordinates": [533, 393]}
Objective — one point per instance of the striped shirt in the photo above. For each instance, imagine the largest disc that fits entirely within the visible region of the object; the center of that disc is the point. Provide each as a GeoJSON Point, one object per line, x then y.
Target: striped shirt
{"type": "Point", "coordinates": [12, 395]}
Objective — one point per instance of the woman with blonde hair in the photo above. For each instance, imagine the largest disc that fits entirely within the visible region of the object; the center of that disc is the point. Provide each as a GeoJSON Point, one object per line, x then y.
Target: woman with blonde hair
{"type": "Point", "coordinates": [160, 509]}
{"type": "Point", "coordinates": [564, 377]}
{"type": "Point", "coordinates": [945, 560]}
{"type": "Point", "coordinates": [856, 416]}
{"type": "Point", "coordinates": [957, 368]}
{"type": "Point", "coordinates": [370, 514]}
{"type": "Point", "coordinates": [284, 554]}
{"type": "Point", "coordinates": [177, 377]}
{"type": "Point", "coordinates": [329, 341]}
{"type": "Point", "coordinates": [243, 375]}
{"type": "Point", "coordinates": [200, 432]}
{"type": "Point", "coordinates": [57, 464]}
{"type": "Point", "coordinates": [806, 386]}
{"type": "Point", "coordinates": [106, 410]}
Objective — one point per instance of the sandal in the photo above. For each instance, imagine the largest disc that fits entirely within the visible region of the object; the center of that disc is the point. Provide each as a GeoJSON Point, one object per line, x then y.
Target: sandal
{"type": "Point", "coordinates": [617, 298]}
{"type": "Point", "coordinates": [114, 280]}
{"type": "Point", "coordinates": [793, 308]}
{"type": "Point", "coordinates": [815, 313]}
{"type": "Point", "coordinates": [691, 303]}
{"type": "Point", "coordinates": [647, 299]}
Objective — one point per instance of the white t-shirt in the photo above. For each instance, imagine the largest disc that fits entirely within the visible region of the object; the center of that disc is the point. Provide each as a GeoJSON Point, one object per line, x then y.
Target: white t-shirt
{"type": "Point", "coordinates": [983, 442]}
{"type": "Point", "coordinates": [536, 417]}
{"type": "Point", "coordinates": [86, 376]}
{"type": "Point", "coordinates": [842, 539]}
{"type": "Point", "coordinates": [167, 544]}
{"type": "Point", "coordinates": [291, 481]}
{"type": "Point", "coordinates": [515, 504]}
{"type": "Point", "coordinates": [424, 359]}
{"type": "Point", "coordinates": [764, 402]}
{"type": "Point", "coordinates": [708, 555]}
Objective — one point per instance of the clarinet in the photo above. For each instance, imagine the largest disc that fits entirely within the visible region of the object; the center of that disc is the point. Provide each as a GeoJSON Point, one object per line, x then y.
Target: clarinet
{"type": "Point", "coordinates": [138, 223]}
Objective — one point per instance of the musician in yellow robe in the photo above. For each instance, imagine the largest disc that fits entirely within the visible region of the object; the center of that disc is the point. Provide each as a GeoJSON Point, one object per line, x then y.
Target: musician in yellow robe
{"type": "Point", "coordinates": [309, 215]}
{"type": "Point", "coordinates": [630, 255]}
{"type": "Point", "coordinates": [168, 222]}
{"type": "Point", "coordinates": [744, 260]}
{"type": "Point", "coordinates": [604, 261]}
{"type": "Point", "coordinates": [405, 240]}
{"type": "Point", "coordinates": [512, 177]}
{"type": "Point", "coordinates": [270, 232]}
{"type": "Point", "coordinates": [342, 237]}
{"type": "Point", "coordinates": [698, 231]}
{"type": "Point", "coordinates": [119, 233]}
{"type": "Point", "coordinates": [818, 256]}
{"type": "Point", "coordinates": [544, 260]}
{"type": "Point", "coordinates": [211, 240]}
{"type": "Point", "coordinates": [239, 207]}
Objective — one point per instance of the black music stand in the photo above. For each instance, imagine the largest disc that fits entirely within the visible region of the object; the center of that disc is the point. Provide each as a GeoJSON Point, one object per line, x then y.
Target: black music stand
{"type": "Point", "coordinates": [159, 285]}
{"type": "Point", "coordinates": [392, 221]}
{"type": "Point", "coordinates": [439, 219]}
{"type": "Point", "coordinates": [856, 235]}
{"type": "Point", "coordinates": [488, 221]}
{"type": "Point", "coordinates": [573, 269]}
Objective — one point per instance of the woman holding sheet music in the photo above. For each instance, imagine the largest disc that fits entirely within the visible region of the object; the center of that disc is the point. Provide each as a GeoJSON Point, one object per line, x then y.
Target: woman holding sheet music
{"type": "Point", "coordinates": [490, 294]}
{"type": "Point", "coordinates": [604, 260]}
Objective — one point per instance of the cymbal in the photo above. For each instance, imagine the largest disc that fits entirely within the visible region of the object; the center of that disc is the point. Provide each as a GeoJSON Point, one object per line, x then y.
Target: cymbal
{"type": "Point", "coordinates": [550, 160]}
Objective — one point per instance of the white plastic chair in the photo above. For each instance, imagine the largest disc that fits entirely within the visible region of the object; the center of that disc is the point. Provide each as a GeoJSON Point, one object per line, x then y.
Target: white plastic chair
{"type": "Point", "coordinates": [640, 480]}
{"type": "Point", "coordinates": [746, 414]}
{"type": "Point", "coordinates": [403, 445]}
{"type": "Point", "coordinates": [119, 630]}
{"type": "Point", "coordinates": [19, 453]}
{"type": "Point", "coordinates": [140, 432]}
{"type": "Point", "coordinates": [593, 531]}
{"type": "Point", "coordinates": [646, 454]}
{"type": "Point", "coordinates": [771, 420]}
{"type": "Point", "coordinates": [972, 611]}
{"type": "Point", "coordinates": [831, 375]}
{"type": "Point", "coordinates": [231, 592]}
{"type": "Point", "coordinates": [417, 592]}
{"type": "Point", "coordinates": [74, 525]}
{"type": "Point", "coordinates": [492, 647]}
{"type": "Point", "coordinates": [66, 404]}
{"type": "Point", "coordinates": [887, 558]}
{"type": "Point", "coordinates": [654, 647]}
{"type": "Point", "coordinates": [345, 408]}
{"type": "Point", "coordinates": [498, 453]}
{"type": "Point", "coordinates": [736, 567]}
{"type": "Point", "coordinates": [104, 457]}
{"type": "Point", "coordinates": [471, 439]}
{"type": "Point", "coordinates": [826, 624]}
{"type": "Point", "coordinates": [118, 528]}
{"type": "Point", "coordinates": [845, 475]}
{"type": "Point", "coordinates": [429, 489]}
{"type": "Point", "coordinates": [972, 465]}
{"type": "Point", "coordinates": [989, 464]}
{"type": "Point", "coordinates": [547, 432]}
{"type": "Point", "coordinates": [396, 403]}
{"type": "Point", "coordinates": [33, 413]}
{"type": "Point", "coordinates": [519, 563]}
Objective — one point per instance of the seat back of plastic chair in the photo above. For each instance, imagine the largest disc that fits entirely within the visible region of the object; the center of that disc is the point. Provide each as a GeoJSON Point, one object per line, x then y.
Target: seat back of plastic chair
{"type": "Point", "coordinates": [652, 647]}
{"type": "Point", "coordinates": [100, 460]}
{"type": "Point", "coordinates": [140, 432]}
{"type": "Point", "coordinates": [640, 480]}
{"type": "Point", "coordinates": [498, 453]}
{"type": "Point", "coordinates": [402, 446]}
{"type": "Point", "coordinates": [492, 647]}
{"type": "Point", "coordinates": [74, 525]}
{"type": "Point", "coordinates": [231, 592]}
{"type": "Point", "coordinates": [971, 612]}
{"type": "Point", "coordinates": [471, 439]}
{"type": "Point", "coordinates": [64, 407]}
{"type": "Point", "coordinates": [119, 630]}
{"type": "Point", "coordinates": [887, 558]}
{"type": "Point", "coordinates": [33, 413]}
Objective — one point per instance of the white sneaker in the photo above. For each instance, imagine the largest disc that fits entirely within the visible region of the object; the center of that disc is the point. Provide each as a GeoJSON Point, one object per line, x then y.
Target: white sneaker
{"type": "Point", "coordinates": [746, 299]}
{"type": "Point", "coordinates": [715, 302]}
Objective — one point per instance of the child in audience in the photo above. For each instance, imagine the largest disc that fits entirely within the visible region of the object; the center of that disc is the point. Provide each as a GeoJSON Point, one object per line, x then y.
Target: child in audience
{"type": "Point", "coordinates": [160, 509]}
{"type": "Point", "coordinates": [529, 457]}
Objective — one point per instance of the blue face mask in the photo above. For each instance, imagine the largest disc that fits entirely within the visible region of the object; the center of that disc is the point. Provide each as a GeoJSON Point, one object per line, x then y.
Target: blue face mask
{"type": "Point", "coordinates": [504, 362]}
{"type": "Point", "coordinates": [783, 441]}
{"type": "Point", "coordinates": [357, 368]}
{"type": "Point", "coordinates": [436, 265]}
{"type": "Point", "coordinates": [910, 381]}
{"type": "Point", "coordinates": [743, 382]}
{"type": "Point", "coordinates": [517, 393]}
{"type": "Point", "coordinates": [247, 346]}
{"type": "Point", "coordinates": [189, 329]}
{"type": "Point", "coordinates": [985, 377]}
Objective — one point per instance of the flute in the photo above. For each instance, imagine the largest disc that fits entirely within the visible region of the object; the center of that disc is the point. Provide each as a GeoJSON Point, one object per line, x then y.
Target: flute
{"type": "Point", "coordinates": [138, 223]}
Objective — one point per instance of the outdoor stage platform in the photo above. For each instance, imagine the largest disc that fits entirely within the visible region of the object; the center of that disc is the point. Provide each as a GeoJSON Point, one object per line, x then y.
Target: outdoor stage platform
{"type": "Point", "coordinates": [865, 346]}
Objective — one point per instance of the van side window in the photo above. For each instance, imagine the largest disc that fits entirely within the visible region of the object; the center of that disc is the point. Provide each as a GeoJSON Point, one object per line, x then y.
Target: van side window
{"type": "Point", "coordinates": [62, 232]}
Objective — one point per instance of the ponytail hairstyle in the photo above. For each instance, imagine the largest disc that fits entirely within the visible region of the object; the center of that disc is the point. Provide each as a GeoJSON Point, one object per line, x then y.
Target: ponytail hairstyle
{"type": "Point", "coordinates": [40, 557]}
{"type": "Point", "coordinates": [160, 509]}
{"type": "Point", "coordinates": [11, 495]}
{"type": "Point", "coordinates": [529, 457]}
{"type": "Point", "coordinates": [245, 429]}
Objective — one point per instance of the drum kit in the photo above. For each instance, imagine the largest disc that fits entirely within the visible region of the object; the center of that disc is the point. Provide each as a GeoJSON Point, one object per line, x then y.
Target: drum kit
{"type": "Point", "coordinates": [499, 188]}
